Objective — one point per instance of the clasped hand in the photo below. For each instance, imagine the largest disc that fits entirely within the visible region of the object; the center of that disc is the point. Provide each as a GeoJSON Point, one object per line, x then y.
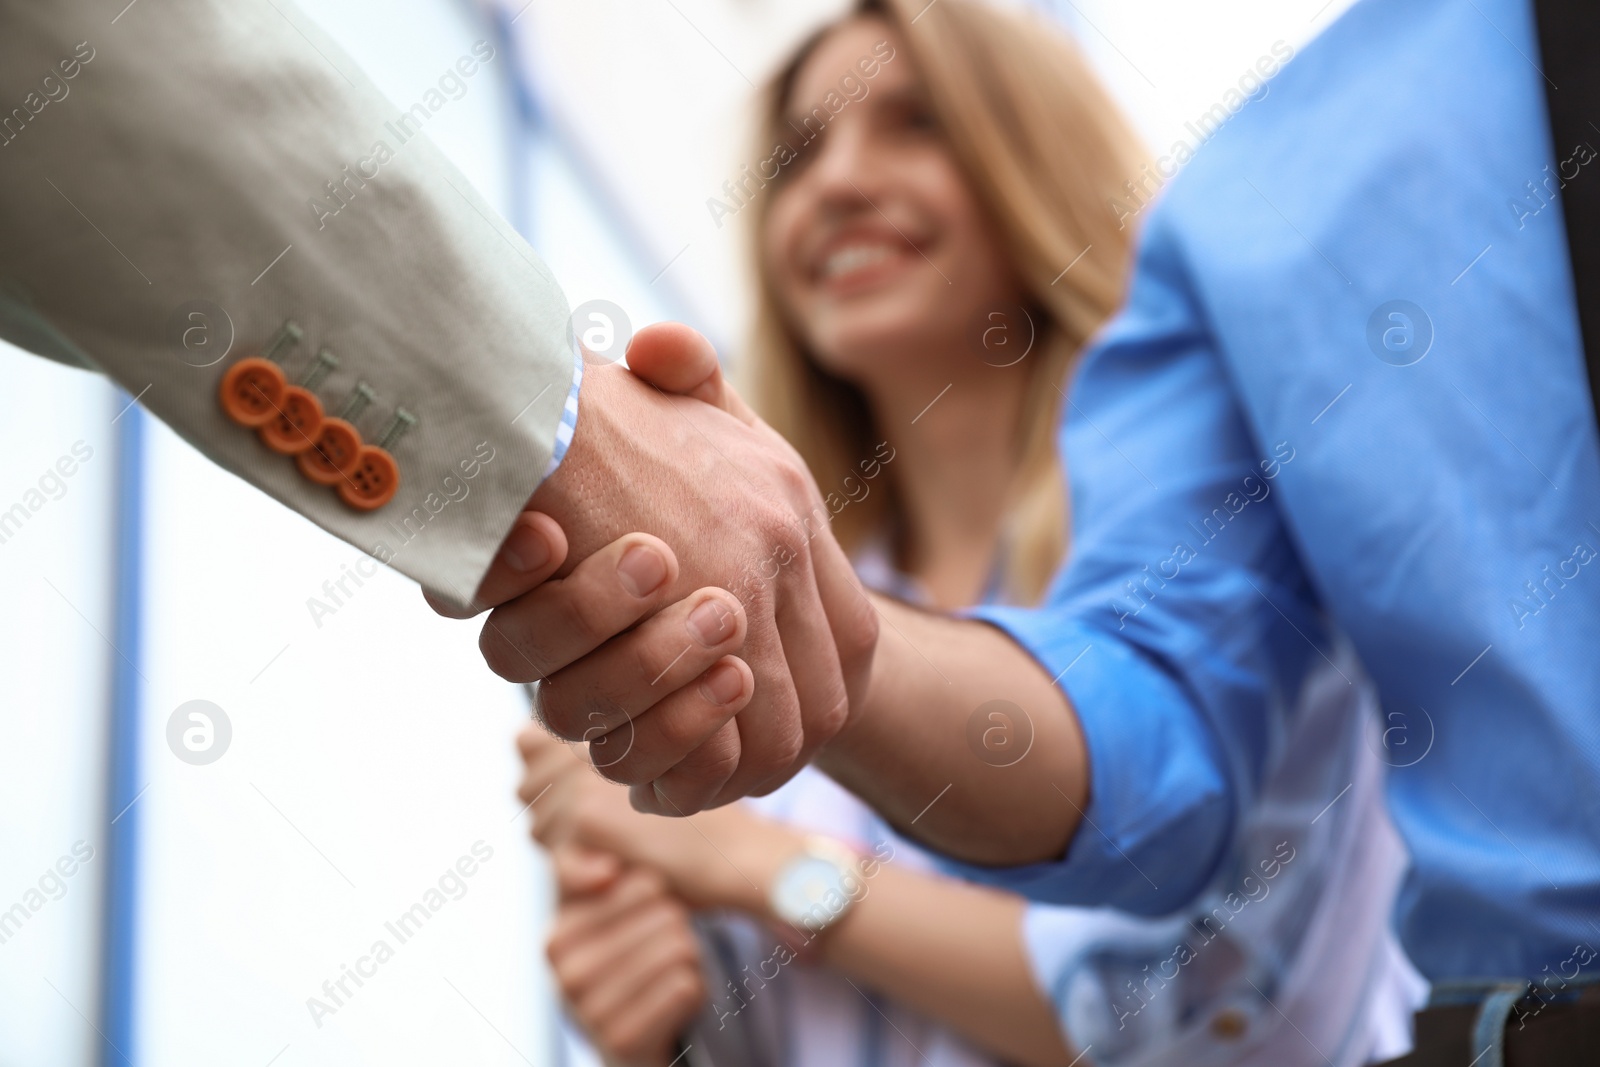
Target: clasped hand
{"type": "Point", "coordinates": [676, 592]}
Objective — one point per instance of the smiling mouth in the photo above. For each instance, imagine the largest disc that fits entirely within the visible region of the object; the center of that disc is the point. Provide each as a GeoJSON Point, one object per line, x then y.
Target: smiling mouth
{"type": "Point", "coordinates": [855, 257]}
{"type": "Point", "coordinates": [860, 260]}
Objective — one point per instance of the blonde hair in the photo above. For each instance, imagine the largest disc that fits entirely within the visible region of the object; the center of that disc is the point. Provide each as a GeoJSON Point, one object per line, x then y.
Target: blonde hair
{"type": "Point", "coordinates": [1044, 150]}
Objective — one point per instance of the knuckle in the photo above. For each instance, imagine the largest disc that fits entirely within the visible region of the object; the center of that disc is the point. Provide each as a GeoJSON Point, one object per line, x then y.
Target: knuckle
{"type": "Point", "coordinates": [775, 764]}
{"type": "Point", "coordinates": [790, 742]}
{"type": "Point", "coordinates": [685, 948]}
{"type": "Point", "coordinates": [652, 659]}
{"type": "Point", "coordinates": [588, 822]}
{"type": "Point", "coordinates": [715, 760]}
{"type": "Point", "coordinates": [831, 720]}
{"type": "Point", "coordinates": [583, 617]}
{"type": "Point", "coordinates": [663, 920]}
{"type": "Point", "coordinates": [785, 746]}
{"type": "Point", "coordinates": [645, 882]}
{"type": "Point", "coordinates": [800, 558]}
{"type": "Point", "coordinates": [680, 916]}
{"type": "Point", "coordinates": [757, 603]}
{"type": "Point", "coordinates": [792, 476]}
{"type": "Point", "coordinates": [678, 728]}
{"type": "Point", "coordinates": [686, 988]}
{"type": "Point", "coordinates": [859, 635]}
{"type": "Point", "coordinates": [773, 519]}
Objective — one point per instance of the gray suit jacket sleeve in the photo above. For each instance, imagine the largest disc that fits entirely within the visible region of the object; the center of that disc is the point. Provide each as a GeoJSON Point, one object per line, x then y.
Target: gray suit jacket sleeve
{"type": "Point", "coordinates": [224, 158]}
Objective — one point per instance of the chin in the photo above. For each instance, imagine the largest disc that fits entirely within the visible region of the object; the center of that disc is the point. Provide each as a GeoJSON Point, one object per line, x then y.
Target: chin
{"type": "Point", "coordinates": [862, 354]}
{"type": "Point", "coordinates": [861, 334]}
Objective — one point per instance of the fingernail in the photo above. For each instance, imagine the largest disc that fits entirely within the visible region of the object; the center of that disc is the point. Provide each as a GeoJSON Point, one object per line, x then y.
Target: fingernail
{"type": "Point", "coordinates": [526, 549]}
{"type": "Point", "coordinates": [641, 570]}
{"type": "Point", "coordinates": [722, 684]}
{"type": "Point", "coordinates": [711, 623]}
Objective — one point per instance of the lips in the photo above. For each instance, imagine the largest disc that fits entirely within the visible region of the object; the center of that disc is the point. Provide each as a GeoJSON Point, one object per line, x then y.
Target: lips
{"type": "Point", "coordinates": [858, 255]}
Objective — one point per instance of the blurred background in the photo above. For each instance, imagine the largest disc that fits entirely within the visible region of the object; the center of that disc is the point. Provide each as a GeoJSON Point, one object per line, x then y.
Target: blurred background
{"type": "Point", "coordinates": [365, 750]}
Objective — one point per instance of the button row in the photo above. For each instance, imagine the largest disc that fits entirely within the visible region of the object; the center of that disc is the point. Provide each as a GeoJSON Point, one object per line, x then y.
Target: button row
{"type": "Point", "coordinates": [289, 419]}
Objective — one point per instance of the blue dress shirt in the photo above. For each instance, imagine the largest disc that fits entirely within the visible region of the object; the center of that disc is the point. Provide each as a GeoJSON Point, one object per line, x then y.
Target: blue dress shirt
{"type": "Point", "coordinates": [1348, 391]}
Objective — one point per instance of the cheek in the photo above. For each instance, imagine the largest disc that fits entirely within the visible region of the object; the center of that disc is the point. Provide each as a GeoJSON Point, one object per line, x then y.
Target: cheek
{"type": "Point", "coordinates": [782, 233]}
{"type": "Point", "coordinates": [981, 272]}
{"type": "Point", "coordinates": [973, 237]}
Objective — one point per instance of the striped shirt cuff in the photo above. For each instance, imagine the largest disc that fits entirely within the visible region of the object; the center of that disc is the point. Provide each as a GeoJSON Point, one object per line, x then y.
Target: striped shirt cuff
{"type": "Point", "coordinates": [569, 416]}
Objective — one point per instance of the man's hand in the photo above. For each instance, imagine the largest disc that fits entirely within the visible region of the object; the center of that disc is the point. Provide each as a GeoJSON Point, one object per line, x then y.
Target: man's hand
{"type": "Point", "coordinates": [625, 956]}
{"type": "Point", "coordinates": [908, 741]}
{"type": "Point", "coordinates": [745, 516]}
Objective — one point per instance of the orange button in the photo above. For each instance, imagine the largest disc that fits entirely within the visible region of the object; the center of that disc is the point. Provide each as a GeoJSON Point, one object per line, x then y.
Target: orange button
{"type": "Point", "coordinates": [373, 482]}
{"type": "Point", "coordinates": [1230, 1024]}
{"type": "Point", "coordinates": [295, 426]}
{"type": "Point", "coordinates": [251, 391]}
{"type": "Point", "coordinates": [334, 456]}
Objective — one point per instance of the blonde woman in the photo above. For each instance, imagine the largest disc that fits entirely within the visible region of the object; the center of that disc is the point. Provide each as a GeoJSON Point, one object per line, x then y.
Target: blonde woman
{"type": "Point", "coordinates": [934, 246]}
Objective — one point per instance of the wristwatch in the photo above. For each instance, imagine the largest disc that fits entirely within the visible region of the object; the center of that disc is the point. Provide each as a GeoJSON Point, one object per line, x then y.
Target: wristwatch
{"type": "Point", "coordinates": [815, 888]}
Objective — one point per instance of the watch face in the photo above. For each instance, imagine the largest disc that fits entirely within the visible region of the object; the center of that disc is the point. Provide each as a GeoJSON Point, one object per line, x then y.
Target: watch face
{"type": "Point", "coordinates": [810, 892]}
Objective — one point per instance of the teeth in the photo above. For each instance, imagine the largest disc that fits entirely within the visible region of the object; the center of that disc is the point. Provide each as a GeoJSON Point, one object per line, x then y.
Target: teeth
{"type": "Point", "coordinates": [855, 257]}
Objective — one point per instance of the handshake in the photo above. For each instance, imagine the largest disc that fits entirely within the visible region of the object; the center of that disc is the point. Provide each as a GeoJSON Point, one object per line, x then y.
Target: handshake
{"type": "Point", "coordinates": [689, 693]}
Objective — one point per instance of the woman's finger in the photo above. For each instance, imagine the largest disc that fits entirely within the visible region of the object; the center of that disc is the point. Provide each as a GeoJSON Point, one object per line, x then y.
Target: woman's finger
{"type": "Point", "coordinates": [660, 942]}
{"type": "Point", "coordinates": [657, 1016]}
{"type": "Point", "coordinates": [583, 872]}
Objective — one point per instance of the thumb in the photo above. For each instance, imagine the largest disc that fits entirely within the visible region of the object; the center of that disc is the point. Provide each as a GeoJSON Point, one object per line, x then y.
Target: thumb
{"type": "Point", "coordinates": [679, 360]}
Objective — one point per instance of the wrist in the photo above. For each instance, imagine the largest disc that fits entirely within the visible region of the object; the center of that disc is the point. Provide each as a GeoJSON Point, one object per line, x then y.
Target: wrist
{"type": "Point", "coordinates": [580, 494]}
{"type": "Point", "coordinates": [565, 480]}
{"type": "Point", "coordinates": [759, 862]}
{"type": "Point", "coordinates": [859, 745]}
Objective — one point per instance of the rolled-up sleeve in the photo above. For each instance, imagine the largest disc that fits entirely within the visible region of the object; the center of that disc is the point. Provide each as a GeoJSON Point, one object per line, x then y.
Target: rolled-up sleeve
{"type": "Point", "coordinates": [1182, 626]}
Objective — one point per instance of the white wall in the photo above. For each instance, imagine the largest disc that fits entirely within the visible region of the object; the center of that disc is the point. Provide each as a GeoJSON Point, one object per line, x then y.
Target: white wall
{"type": "Point", "coordinates": [54, 684]}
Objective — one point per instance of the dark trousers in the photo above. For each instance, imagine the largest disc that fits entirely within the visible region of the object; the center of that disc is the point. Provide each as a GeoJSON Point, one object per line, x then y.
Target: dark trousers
{"type": "Point", "coordinates": [1534, 1030]}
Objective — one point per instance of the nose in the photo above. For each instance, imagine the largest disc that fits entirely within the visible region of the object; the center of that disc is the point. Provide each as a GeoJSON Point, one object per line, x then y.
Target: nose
{"type": "Point", "coordinates": [844, 170]}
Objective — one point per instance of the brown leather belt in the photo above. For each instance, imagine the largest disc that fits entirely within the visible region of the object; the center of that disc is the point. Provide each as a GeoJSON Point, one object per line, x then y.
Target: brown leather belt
{"type": "Point", "coordinates": [1510, 1025]}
